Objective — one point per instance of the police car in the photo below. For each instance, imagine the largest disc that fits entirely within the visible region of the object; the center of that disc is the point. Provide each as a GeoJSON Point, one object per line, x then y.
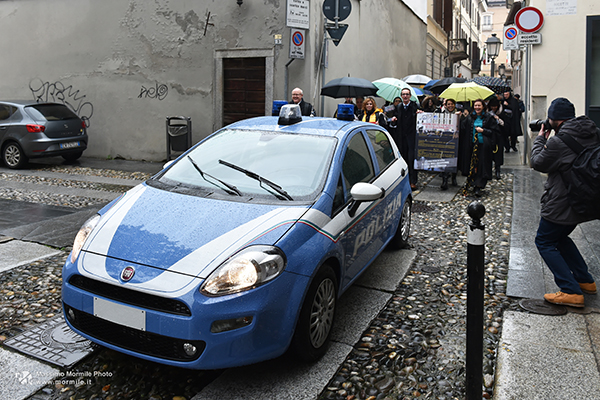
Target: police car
{"type": "Point", "coordinates": [240, 249]}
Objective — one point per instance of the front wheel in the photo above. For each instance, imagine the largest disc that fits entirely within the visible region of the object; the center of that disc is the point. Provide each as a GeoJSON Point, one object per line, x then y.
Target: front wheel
{"type": "Point", "coordinates": [13, 156]}
{"type": "Point", "coordinates": [315, 322]}
{"type": "Point", "coordinates": [400, 239]}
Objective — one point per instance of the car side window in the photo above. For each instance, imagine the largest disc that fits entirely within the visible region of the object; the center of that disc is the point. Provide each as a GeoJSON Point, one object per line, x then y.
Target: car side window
{"type": "Point", "coordinates": [383, 149]}
{"type": "Point", "coordinates": [338, 200]}
{"type": "Point", "coordinates": [357, 165]}
{"type": "Point", "coordinates": [5, 112]}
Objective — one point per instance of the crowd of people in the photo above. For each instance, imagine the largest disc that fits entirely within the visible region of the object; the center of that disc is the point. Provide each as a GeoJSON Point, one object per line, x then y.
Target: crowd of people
{"type": "Point", "coordinates": [487, 129]}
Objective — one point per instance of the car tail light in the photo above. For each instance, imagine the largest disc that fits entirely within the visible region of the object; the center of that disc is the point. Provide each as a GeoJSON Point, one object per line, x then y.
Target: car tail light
{"type": "Point", "coordinates": [83, 124]}
{"type": "Point", "coordinates": [34, 128]}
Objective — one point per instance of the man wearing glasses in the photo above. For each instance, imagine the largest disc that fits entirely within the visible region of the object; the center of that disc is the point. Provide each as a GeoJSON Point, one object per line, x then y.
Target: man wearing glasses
{"type": "Point", "coordinates": [406, 133]}
{"type": "Point", "coordinates": [306, 109]}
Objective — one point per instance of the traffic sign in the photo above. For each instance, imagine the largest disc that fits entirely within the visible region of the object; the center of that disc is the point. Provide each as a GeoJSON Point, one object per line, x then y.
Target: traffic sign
{"type": "Point", "coordinates": [336, 33]}
{"type": "Point", "coordinates": [529, 19]}
{"type": "Point", "coordinates": [298, 14]}
{"type": "Point", "coordinates": [510, 38]}
{"type": "Point", "coordinates": [530, 38]}
{"type": "Point", "coordinates": [343, 10]}
{"type": "Point", "coordinates": [297, 43]}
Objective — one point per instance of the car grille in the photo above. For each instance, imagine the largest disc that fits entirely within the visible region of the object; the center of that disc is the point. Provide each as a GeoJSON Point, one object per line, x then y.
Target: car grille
{"type": "Point", "coordinates": [139, 299]}
{"type": "Point", "coordinates": [142, 342]}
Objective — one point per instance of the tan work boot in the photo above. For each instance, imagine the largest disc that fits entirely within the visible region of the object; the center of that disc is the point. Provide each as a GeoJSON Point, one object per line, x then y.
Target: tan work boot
{"type": "Point", "coordinates": [565, 299]}
{"type": "Point", "coordinates": [589, 288]}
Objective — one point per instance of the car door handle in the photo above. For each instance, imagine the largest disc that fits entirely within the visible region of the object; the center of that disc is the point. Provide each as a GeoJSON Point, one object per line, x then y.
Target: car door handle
{"type": "Point", "coordinates": [403, 172]}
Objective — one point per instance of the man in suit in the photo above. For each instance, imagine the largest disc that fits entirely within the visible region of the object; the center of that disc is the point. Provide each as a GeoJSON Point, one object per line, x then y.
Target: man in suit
{"type": "Point", "coordinates": [406, 132]}
{"type": "Point", "coordinates": [306, 108]}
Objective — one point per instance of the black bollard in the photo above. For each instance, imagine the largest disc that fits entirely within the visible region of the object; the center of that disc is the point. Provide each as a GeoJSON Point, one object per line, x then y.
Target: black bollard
{"type": "Point", "coordinates": [475, 262]}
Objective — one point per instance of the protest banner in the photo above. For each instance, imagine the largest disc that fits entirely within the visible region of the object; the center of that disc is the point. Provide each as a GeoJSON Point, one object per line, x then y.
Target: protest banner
{"type": "Point", "coordinates": [437, 142]}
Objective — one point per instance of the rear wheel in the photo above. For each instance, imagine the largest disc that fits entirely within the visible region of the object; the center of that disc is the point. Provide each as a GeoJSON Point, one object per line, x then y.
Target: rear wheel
{"type": "Point", "coordinates": [13, 155]}
{"type": "Point", "coordinates": [315, 323]}
{"type": "Point", "coordinates": [400, 239]}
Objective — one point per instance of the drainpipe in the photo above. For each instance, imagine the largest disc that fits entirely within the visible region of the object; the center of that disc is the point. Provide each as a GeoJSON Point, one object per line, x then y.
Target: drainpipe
{"type": "Point", "coordinates": [286, 84]}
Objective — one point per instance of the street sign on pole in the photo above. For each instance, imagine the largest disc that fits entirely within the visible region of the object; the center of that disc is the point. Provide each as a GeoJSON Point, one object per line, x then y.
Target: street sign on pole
{"type": "Point", "coordinates": [530, 38]}
{"type": "Point", "coordinates": [510, 38]}
{"type": "Point", "coordinates": [297, 43]}
{"type": "Point", "coordinates": [529, 19]}
{"type": "Point", "coordinates": [343, 9]}
{"type": "Point", "coordinates": [336, 33]}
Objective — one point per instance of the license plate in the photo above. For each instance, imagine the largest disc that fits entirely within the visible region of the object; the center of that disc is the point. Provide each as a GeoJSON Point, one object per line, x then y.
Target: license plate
{"type": "Point", "coordinates": [69, 145]}
{"type": "Point", "coordinates": [120, 314]}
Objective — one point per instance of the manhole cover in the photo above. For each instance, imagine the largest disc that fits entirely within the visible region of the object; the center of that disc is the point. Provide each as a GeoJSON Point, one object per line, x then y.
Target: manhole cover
{"type": "Point", "coordinates": [430, 269]}
{"type": "Point", "coordinates": [54, 342]}
{"type": "Point", "coordinates": [538, 306]}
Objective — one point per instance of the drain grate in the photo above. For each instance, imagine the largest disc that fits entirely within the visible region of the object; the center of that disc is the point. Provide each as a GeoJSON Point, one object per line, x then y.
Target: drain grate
{"type": "Point", "coordinates": [419, 207]}
{"type": "Point", "coordinates": [538, 306]}
{"type": "Point", "coordinates": [54, 342]}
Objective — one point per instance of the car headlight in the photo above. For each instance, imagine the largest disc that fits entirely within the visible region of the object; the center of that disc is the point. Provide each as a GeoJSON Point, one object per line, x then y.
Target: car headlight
{"type": "Point", "coordinates": [82, 235]}
{"type": "Point", "coordinates": [247, 269]}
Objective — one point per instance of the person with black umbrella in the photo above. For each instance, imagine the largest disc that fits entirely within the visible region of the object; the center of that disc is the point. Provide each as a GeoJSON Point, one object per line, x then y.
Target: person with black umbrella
{"type": "Point", "coordinates": [406, 132]}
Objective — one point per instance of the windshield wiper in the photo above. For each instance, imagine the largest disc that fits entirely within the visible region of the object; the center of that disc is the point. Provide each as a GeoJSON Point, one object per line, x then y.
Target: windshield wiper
{"type": "Point", "coordinates": [232, 190]}
{"type": "Point", "coordinates": [282, 194]}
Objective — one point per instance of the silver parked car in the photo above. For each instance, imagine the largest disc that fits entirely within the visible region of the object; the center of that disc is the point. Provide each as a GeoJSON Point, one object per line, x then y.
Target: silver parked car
{"type": "Point", "coordinates": [32, 130]}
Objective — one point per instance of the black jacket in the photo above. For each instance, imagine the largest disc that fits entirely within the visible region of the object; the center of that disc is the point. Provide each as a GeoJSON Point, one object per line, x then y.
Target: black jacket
{"type": "Point", "coordinates": [553, 157]}
{"type": "Point", "coordinates": [406, 130]}
{"type": "Point", "coordinates": [306, 109]}
{"type": "Point", "coordinates": [485, 152]}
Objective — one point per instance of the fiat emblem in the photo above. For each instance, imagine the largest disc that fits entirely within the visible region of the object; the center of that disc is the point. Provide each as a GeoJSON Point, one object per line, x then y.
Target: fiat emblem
{"type": "Point", "coordinates": [127, 273]}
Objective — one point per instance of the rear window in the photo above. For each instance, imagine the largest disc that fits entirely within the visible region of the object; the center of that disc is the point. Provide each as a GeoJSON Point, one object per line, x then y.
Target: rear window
{"type": "Point", "coordinates": [50, 112]}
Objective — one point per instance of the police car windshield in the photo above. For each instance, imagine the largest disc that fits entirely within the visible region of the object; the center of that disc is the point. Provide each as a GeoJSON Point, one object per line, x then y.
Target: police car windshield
{"type": "Point", "coordinates": [298, 163]}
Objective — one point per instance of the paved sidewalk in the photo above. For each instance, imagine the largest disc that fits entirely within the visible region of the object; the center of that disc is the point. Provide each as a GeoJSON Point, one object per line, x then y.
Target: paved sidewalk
{"type": "Point", "coordinates": [541, 356]}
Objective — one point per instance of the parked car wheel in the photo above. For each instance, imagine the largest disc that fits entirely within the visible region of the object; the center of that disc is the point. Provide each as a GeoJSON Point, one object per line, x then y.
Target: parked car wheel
{"type": "Point", "coordinates": [313, 329]}
{"type": "Point", "coordinates": [400, 239]}
{"type": "Point", "coordinates": [73, 156]}
{"type": "Point", "coordinates": [13, 155]}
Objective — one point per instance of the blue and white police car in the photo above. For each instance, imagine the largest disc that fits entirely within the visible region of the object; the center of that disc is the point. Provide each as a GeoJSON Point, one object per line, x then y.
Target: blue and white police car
{"type": "Point", "coordinates": [240, 249]}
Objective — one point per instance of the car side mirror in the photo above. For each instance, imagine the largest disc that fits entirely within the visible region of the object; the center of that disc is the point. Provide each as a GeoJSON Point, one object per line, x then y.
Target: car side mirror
{"type": "Point", "coordinates": [362, 192]}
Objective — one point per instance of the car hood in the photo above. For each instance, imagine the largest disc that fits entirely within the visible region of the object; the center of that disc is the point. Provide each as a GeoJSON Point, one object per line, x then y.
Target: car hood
{"type": "Point", "coordinates": [160, 231]}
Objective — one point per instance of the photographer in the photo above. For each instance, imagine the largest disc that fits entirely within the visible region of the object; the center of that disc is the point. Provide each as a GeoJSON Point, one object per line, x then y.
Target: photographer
{"type": "Point", "coordinates": [558, 219]}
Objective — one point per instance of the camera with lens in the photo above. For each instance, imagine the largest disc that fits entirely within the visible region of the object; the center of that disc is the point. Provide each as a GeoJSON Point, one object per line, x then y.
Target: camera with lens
{"type": "Point", "coordinates": [536, 125]}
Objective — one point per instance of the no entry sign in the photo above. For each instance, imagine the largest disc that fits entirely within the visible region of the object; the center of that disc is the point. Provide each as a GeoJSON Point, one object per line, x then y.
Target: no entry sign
{"type": "Point", "coordinates": [529, 19]}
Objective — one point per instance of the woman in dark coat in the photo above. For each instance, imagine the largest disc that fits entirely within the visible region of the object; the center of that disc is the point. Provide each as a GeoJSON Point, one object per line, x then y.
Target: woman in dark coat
{"type": "Point", "coordinates": [503, 120]}
{"type": "Point", "coordinates": [480, 128]}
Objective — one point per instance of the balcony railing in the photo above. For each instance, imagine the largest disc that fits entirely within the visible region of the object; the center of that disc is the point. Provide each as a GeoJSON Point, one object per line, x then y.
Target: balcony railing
{"type": "Point", "coordinates": [458, 49]}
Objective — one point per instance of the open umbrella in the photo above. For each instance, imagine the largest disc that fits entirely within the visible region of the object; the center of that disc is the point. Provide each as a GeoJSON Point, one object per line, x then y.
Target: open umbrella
{"type": "Point", "coordinates": [422, 92]}
{"type": "Point", "coordinates": [390, 88]}
{"type": "Point", "coordinates": [496, 84]}
{"type": "Point", "coordinates": [416, 79]}
{"type": "Point", "coordinates": [430, 83]}
{"type": "Point", "coordinates": [468, 91]}
{"type": "Point", "coordinates": [348, 87]}
{"type": "Point", "coordinates": [443, 84]}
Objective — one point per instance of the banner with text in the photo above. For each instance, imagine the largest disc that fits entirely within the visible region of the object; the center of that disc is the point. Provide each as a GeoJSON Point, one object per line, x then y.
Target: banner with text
{"type": "Point", "coordinates": [437, 142]}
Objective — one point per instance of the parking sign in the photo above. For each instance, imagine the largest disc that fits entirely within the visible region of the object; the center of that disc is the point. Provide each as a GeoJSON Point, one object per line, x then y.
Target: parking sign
{"type": "Point", "coordinates": [510, 38]}
{"type": "Point", "coordinates": [297, 43]}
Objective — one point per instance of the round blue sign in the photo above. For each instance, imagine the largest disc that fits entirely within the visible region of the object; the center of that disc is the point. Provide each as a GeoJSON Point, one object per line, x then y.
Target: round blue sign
{"type": "Point", "coordinates": [510, 33]}
{"type": "Point", "coordinates": [298, 39]}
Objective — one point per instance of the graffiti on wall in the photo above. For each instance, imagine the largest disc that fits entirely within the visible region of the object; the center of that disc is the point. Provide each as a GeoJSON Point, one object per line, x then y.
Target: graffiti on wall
{"type": "Point", "coordinates": [59, 93]}
{"type": "Point", "coordinates": [157, 92]}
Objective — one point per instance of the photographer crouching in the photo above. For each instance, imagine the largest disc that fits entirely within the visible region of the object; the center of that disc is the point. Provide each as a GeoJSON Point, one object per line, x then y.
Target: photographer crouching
{"type": "Point", "coordinates": [558, 219]}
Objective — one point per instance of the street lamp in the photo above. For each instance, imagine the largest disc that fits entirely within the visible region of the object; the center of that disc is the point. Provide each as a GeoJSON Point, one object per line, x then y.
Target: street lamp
{"type": "Point", "coordinates": [493, 47]}
{"type": "Point", "coordinates": [501, 70]}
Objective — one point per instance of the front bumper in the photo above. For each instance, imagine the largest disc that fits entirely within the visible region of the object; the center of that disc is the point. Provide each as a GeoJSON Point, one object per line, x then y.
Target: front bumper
{"type": "Point", "coordinates": [272, 309]}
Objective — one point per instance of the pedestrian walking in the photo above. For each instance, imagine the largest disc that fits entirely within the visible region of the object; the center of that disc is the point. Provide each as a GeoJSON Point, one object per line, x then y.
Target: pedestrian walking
{"type": "Point", "coordinates": [406, 132]}
{"type": "Point", "coordinates": [306, 109]}
{"type": "Point", "coordinates": [373, 114]}
{"type": "Point", "coordinates": [558, 219]}
{"type": "Point", "coordinates": [512, 104]}
{"type": "Point", "coordinates": [481, 127]}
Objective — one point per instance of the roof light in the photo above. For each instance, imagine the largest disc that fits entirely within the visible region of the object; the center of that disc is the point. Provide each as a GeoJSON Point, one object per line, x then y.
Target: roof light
{"type": "Point", "coordinates": [345, 112]}
{"type": "Point", "coordinates": [289, 114]}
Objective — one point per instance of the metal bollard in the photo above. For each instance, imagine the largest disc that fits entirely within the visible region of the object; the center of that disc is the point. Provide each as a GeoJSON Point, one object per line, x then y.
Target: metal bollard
{"type": "Point", "coordinates": [475, 263]}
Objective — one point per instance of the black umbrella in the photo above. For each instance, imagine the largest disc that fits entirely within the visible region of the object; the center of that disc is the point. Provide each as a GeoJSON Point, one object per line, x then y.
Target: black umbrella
{"type": "Point", "coordinates": [348, 87]}
{"type": "Point", "coordinates": [495, 84]}
{"type": "Point", "coordinates": [443, 84]}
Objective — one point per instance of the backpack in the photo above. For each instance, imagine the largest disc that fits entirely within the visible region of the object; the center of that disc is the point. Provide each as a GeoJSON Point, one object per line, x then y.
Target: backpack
{"type": "Point", "coordinates": [583, 178]}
